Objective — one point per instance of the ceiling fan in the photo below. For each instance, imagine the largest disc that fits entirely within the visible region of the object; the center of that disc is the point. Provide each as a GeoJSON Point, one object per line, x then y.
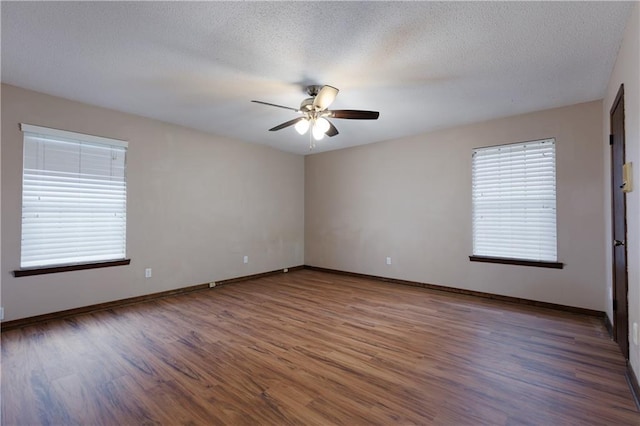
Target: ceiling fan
{"type": "Point", "coordinates": [315, 115]}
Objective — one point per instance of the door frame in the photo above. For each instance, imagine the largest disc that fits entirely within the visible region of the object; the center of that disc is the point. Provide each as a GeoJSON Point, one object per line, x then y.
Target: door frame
{"type": "Point", "coordinates": [616, 304]}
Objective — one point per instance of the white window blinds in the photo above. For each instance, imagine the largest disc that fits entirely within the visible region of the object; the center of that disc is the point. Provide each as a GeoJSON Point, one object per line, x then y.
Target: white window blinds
{"type": "Point", "coordinates": [514, 201]}
{"type": "Point", "coordinates": [74, 196]}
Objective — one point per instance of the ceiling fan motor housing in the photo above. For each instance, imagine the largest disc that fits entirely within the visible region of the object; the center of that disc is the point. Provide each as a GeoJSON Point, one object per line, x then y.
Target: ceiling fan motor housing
{"type": "Point", "coordinates": [307, 105]}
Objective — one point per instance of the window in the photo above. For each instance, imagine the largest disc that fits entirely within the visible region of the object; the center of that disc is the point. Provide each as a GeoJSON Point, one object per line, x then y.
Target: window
{"type": "Point", "coordinates": [514, 202]}
{"type": "Point", "coordinates": [74, 196]}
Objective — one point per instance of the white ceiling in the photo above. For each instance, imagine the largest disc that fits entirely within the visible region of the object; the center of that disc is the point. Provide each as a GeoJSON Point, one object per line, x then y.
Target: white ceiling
{"type": "Point", "coordinates": [423, 65]}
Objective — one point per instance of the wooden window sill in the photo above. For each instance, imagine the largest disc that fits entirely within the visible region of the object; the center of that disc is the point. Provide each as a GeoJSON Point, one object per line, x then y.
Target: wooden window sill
{"type": "Point", "coordinates": [67, 268]}
{"type": "Point", "coordinates": [521, 262]}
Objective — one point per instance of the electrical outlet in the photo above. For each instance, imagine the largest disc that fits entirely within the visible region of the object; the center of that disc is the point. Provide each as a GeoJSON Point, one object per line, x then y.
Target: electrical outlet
{"type": "Point", "coordinates": [212, 284]}
{"type": "Point", "coordinates": [245, 259]}
{"type": "Point", "coordinates": [147, 273]}
{"type": "Point", "coordinates": [388, 260]}
{"type": "Point", "coordinates": [285, 270]}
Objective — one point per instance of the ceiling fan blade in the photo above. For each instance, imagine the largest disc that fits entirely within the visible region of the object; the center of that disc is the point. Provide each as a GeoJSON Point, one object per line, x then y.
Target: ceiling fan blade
{"type": "Point", "coordinates": [325, 97]}
{"type": "Point", "coordinates": [354, 114]}
{"type": "Point", "coordinates": [286, 124]}
{"type": "Point", "coordinates": [279, 106]}
{"type": "Point", "coordinates": [332, 130]}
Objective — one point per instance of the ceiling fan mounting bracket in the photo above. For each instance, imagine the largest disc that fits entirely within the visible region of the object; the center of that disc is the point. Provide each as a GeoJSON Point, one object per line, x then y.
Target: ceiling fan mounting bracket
{"type": "Point", "coordinates": [313, 90]}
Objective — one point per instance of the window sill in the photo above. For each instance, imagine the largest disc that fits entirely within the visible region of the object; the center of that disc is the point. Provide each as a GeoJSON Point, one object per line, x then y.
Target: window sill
{"type": "Point", "coordinates": [67, 268]}
{"type": "Point", "coordinates": [521, 262]}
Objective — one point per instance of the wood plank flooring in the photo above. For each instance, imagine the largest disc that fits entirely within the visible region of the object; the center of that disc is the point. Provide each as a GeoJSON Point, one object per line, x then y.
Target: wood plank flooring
{"type": "Point", "coordinates": [316, 348]}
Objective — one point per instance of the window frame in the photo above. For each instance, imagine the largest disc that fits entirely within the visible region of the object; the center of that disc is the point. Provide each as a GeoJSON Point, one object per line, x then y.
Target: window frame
{"type": "Point", "coordinates": [475, 257]}
{"type": "Point", "coordinates": [80, 138]}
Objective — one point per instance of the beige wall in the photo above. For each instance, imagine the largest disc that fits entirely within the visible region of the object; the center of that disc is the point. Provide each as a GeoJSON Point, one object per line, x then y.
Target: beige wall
{"type": "Point", "coordinates": [196, 205]}
{"type": "Point", "coordinates": [626, 71]}
{"type": "Point", "coordinates": [410, 199]}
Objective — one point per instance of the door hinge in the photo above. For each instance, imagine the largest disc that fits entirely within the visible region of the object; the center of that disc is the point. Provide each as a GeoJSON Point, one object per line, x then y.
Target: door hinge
{"type": "Point", "coordinates": [610, 139]}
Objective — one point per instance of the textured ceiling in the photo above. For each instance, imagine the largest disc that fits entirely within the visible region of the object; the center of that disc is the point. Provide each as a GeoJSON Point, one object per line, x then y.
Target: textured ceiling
{"type": "Point", "coordinates": [423, 65]}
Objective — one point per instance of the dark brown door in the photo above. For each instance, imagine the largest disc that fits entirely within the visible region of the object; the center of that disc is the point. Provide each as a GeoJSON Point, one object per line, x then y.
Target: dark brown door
{"type": "Point", "coordinates": [619, 208]}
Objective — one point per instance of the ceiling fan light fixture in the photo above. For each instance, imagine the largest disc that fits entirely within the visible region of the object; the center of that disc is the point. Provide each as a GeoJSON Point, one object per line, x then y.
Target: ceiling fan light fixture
{"type": "Point", "coordinates": [322, 124]}
{"type": "Point", "coordinates": [302, 126]}
{"type": "Point", "coordinates": [318, 134]}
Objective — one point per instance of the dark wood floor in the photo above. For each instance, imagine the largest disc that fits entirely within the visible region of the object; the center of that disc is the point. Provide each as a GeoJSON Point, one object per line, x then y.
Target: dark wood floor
{"type": "Point", "coordinates": [316, 348]}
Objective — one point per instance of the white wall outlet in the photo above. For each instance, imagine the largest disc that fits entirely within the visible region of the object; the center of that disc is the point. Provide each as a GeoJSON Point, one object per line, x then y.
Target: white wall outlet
{"type": "Point", "coordinates": [635, 333]}
{"type": "Point", "coordinates": [212, 284]}
{"type": "Point", "coordinates": [388, 260]}
{"type": "Point", "coordinates": [147, 273]}
{"type": "Point", "coordinates": [245, 259]}
{"type": "Point", "coordinates": [285, 270]}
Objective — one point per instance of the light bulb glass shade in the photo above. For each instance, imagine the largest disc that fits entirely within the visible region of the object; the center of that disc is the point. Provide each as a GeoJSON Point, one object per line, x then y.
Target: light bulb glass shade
{"type": "Point", "coordinates": [322, 124]}
{"type": "Point", "coordinates": [302, 126]}
{"type": "Point", "coordinates": [317, 132]}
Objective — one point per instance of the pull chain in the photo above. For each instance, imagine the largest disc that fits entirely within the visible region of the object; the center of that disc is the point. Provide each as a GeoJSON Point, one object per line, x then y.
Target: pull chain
{"type": "Point", "coordinates": [312, 144]}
